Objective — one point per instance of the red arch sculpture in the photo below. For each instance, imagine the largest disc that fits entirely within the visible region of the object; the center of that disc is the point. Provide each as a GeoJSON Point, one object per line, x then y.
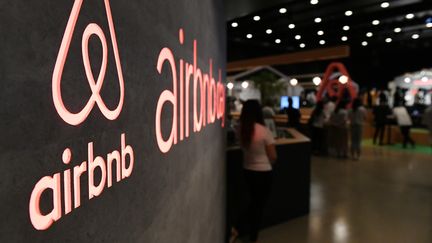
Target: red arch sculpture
{"type": "Point", "coordinates": [327, 84]}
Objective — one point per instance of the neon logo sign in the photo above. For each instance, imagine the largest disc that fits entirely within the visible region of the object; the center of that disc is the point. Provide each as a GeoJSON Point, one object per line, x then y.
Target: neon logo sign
{"type": "Point", "coordinates": [91, 29]}
{"type": "Point", "coordinates": [212, 108]}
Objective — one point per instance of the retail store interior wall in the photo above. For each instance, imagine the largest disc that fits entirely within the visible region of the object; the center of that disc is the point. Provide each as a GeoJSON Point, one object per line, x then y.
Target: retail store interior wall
{"type": "Point", "coordinates": [177, 196]}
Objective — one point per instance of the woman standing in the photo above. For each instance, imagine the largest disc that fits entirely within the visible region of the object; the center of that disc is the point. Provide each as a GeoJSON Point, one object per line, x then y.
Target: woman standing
{"type": "Point", "coordinates": [357, 118]}
{"type": "Point", "coordinates": [339, 122]}
{"type": "Point", "coordinates": [316, 123]}
{"type": "Point", "coordinates": [259, 153]}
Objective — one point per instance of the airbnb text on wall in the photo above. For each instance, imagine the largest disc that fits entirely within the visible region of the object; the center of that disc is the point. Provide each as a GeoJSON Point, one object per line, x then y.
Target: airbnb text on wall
{"type": "Point", "coordinates": [122, 115]}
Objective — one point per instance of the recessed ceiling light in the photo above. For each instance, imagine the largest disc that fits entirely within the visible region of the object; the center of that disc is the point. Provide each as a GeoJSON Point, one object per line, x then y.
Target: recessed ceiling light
{"type": "Point", "coordinates": [256, 18]}
{"type": "Point", "coordinates": [230, 85]}
{"type": "Point", "coordinates": [278, 41]}
{"type": "Point", "coordinates": [397, 30]}
{"type": "Point", "coordinates": [316, 80]}
{"type": "Point", "coordinates": [313, 2]}
{"type": "Point", "coordinates": [429, 25]}
{"type": "Point", "coordinates": [269, 31]}
{"type": "Point", "coordinates": [385, 5]}
{"type": "Point", "coordinates": [282, 10]}
{"type": "Point", "coordinates": [424, 79]}
{"type": "Point", "coordinates": [415, 36]}
{"type": "Point", "coordinates": [409, 16]}
{"type": "Point", "coordinates": [346, 28]}
{"type": "Point", "coordinates": [249, 36]}
{"type": "Point", "coordinates": [245, 84]}
{"type": "Point", "coordinates": [343, 79]}
{"type": "Point", "coordinates": [320, 32]}
{"type": "Point", "coordinates": [375, 22]}
{"type": "Point", "coordinates": [234, 24]}
{"type": "Point", "coordinates": [291, 26]}
{"type": "Point", "coordinates": [407, 80]}
{"type": "Point", "coordinates": [364, 43]}
{"type": "Point", "coordinates": [302, 45]}
{"type": "Point", "coordinates": [322, 42]}
{"type": "Point", "coordinates": [297, 37]}
{"type": "Point", "coordinates": [293, 82]}
{"type": "Point", "coordinates": [388, 40]}
{"type": "Point", "coordinates": [318, 20]}
{"type": "Point", "coordinates": [369, 34]}
{"type": "Point", "coordinates": [348, 13]}
{"type": "Point", "coordinates": [344, 38]}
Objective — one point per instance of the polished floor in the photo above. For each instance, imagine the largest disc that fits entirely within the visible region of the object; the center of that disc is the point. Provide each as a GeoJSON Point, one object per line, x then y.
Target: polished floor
{"type": "Point", "coordinates": [386, 197]}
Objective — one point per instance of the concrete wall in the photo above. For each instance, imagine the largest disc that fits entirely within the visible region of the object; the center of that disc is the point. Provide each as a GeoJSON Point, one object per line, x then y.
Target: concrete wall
{"type": "Point", "coordinates": [176, 196]}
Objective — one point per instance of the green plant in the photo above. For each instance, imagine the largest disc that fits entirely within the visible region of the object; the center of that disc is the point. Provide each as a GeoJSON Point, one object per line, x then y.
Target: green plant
{"type": "Point", "coordinates": [269, 85]}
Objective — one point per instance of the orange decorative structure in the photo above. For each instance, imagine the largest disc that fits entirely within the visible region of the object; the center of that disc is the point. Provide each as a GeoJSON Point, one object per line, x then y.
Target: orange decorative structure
{"type": "Point", "coordinates": [328, 85]}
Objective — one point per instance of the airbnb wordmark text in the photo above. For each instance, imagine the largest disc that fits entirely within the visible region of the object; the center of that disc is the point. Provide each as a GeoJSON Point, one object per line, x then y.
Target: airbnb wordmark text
{"type": "Point", "coordinates": [117, 165]}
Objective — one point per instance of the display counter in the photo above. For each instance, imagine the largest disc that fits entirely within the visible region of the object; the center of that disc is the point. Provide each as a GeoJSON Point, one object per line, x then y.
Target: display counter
{"type": "Point", "coordinates": [290, 194]}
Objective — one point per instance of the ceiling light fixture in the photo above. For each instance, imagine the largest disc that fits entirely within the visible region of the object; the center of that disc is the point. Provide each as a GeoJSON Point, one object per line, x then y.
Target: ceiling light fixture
{"type": "Point", "coordinates": [320, 32]}
{"type": "Point", "coordinates": [282, 10]}
{"type": "Point", "coordinates": [343, 79]}
{"type": "Point", "coordinates": [297, 37]}
{"type": "Point", "coordinates": [291, 26]}
{"type": "Point", "coordinates": [256, 18]}
{"type": "Point", "coordinates": [385, 5]}
{"type": "Point", "coordinates": [344, 38]}
{"type": "Point", "coordinates": [316, 80]}
{"type": "Point", "coordinates": [245, 84]}
{"type": "Point", "coordinates": [348, 13]}
{"type": "Point", "coordinates": [249, 36]}
{"type": "Point", "coordinates": [364, 43]}
{"type": "Point", "coordinates": [407, 80]}
{"type": "Point", "coordinates": [409, 16]}
{"type": "Point", "coordinates": [230, 85]}
{"type": "Point", "coordinates": [318, 20]}
{"type": "Point", "coordinates": [313, 2]}
{"type": "Point", "coordinates": [388, 40]}
{"type": "Point", "coordinates": [369, 34]}
{"type": "Point", "coordinates": [278, 41]}
{"type": "Point", "coordinates": [269, 31]}
{"type": "Point", "coordinates": [322, 42]}
{"type": "Point", "coordinates": [375, 22]}
{"type": "Point", "coordinates": [293, 82]}
{"type": "Point", "coordinates": [302, 45]}
{"type": "Point", "coordinates": [415, 36]}
{"type": "Point", "coordinates": [346, 28]}
{"type": "Point", "coordinates": [424, 79]}
{"type": "Point", "coordinates": [397, 30]}
{"type": "Point", "coordinates": [234, 24]}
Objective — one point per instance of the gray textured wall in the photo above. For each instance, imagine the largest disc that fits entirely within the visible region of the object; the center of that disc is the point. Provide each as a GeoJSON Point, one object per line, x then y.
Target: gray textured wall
{"type": "Point", "coordinates": [172, 197]}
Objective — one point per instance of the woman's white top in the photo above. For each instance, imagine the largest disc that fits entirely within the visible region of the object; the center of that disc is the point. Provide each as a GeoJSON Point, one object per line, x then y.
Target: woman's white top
{"type": "Point", "coordinates": [402, 116]}
{"type": "Point", "coordinates": [359, 116]}
{"type": "Point", "coordinates": [255, 157]}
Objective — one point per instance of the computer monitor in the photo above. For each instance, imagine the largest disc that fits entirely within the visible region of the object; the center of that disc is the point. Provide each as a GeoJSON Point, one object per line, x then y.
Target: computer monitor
{"type": "Point", "coordinates": [295, 102]}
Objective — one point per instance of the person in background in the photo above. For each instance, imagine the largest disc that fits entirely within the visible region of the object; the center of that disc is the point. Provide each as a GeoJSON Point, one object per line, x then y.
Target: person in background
{"type": "Point", "coordinates": [316, 123]}
{"type": "Point", "coordinates": [330, 106]}
{"type": "Point", "coordinates": [404, 121]}
{"type": "Point", "coordinates": [269, 114]}
{"type": "Point", "coordinates": [427, 121]}
{"type": "Point", "coordinates": [293, 114]}
{"type": "Point", "coordinates": [357, 118]}
{"type": "Point", "coordinates": [259, 151]}
{"type": "Point", "coordinates": [381, 113]}
{"type": "Point", "coordinates": [339, 122]}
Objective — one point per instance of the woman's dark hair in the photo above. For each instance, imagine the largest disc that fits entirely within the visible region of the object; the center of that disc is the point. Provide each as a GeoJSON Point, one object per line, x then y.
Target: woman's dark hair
{"type": "Point", "coordinates": [356, 104]}
{"type": "Point", "coordinates": [319, 109]}
{"type": "Point", "coordinates": [251, 114]}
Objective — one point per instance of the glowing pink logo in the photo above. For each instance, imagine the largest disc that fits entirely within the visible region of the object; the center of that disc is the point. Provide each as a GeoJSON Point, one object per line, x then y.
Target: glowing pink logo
{"type": "Point", "coordinates": [91, 29]}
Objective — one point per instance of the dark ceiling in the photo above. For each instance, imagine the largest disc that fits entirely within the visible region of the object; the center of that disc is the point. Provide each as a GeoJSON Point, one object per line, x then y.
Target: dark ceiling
{"type": "Point", "coordinates": [371, 65]}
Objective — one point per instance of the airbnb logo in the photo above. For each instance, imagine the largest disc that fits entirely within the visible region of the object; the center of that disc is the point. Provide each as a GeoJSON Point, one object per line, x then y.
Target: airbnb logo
{"type": "Point", "coordinates": [92, 29]}
{"type": "Point", "coordinates": [121, 159]}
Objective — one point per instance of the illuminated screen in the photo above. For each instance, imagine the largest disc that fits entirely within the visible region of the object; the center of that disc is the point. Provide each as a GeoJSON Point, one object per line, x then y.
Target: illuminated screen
{"type": "Point", "coordinates": [295, 104]}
